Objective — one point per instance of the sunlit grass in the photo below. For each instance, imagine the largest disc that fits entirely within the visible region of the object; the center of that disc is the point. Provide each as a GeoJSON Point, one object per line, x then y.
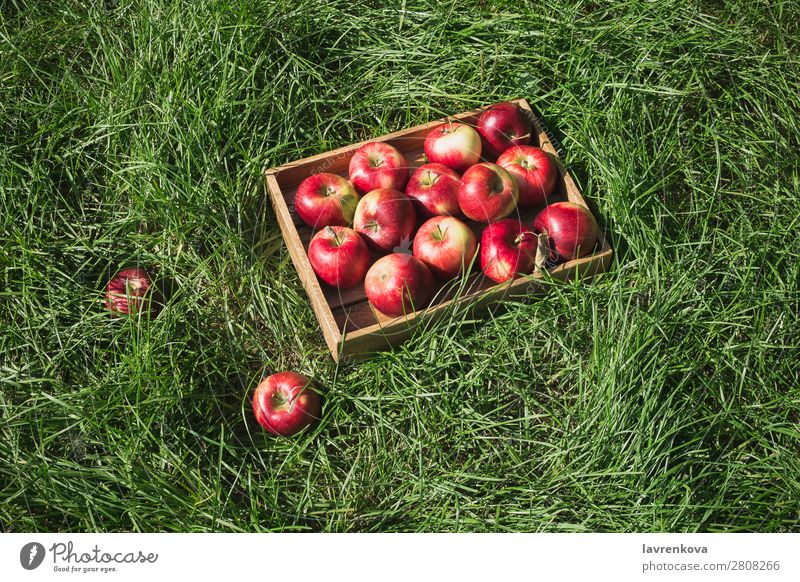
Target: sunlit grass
{"type": "Point", "coordinates": [661, 396]}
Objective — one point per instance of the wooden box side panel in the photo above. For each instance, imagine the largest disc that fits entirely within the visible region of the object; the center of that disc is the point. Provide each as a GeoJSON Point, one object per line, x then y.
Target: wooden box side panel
{"type": "Point", "coordinates": [297, 252]}
{"type": "Point", "coordinates": [571, 190]}
{"type": "Point", "coordinates": [384, 335]}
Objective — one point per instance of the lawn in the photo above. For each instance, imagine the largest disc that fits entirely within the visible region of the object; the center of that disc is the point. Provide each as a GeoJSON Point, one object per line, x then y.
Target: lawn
{"type": "Point", "coordinates": [661, 396]}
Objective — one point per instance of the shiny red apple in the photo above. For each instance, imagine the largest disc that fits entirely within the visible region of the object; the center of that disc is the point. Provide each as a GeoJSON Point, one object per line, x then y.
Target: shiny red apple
{"type": "Point", "coordinates": [386, 219]}
{"type": "Point", "coordinates": [535, 171]}
{"type": "Point", "coordinates": [572, 229]}
{"type": "Point", "coordinates": [339, 256]}
{"type": "Point", "coordinates": [488, 193]}
{"type": "Point", "coordinates": [433, 188]}
{"type": "Point", "coordinates": [455, 145]}
{"type": "Point", "coordinates": [446, 246]}
{"type": "Point", "coordinates": [398, 284]}
{"type": "Point", "coordinates": [502, 126]}
{"type": "Point", "coordinates": [285, 403]}
{"type": "Point", "coordinates": [378, 165]}
{"type": "Point", "coordinates": [508, 249]}
{"type": "Point", "coordinates": [325, 200]}
{"type": "Point", "coordinates": [131, 291]}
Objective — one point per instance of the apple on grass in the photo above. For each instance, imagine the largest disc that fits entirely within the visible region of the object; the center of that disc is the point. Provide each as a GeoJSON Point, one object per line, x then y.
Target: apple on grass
{"type": "Point", "coordinates": [398, 284]}
{"type": "Point", "coordinates": [488, 193]}
{"type": "Point", "coordinates": [534, 170]}
{"type": "Point", "coordinates": [339, 256]}
{"type": "Point", "coordinates": [508, 249]}
{"type": "Point", "coordinates": [503, 126]}
{"type": "Point", "coordinates": [572, 230]}
{"type": "Point", "coordinates": [433, 188]}
{"type": "Point", "coordinates": [455, 145]}
{"type": "Point", "coordinates": [325, 200]}
{"type": "Point", "coordinates": [386, 218]}
{"type": "Point", "coordinates": [131, 292]}
{"type": "Point", "coordinates": [446, 246]}
{"type": "Point", "coordinates": [285, 403]}
{"type": "Point", "coordinates": [378, 165]}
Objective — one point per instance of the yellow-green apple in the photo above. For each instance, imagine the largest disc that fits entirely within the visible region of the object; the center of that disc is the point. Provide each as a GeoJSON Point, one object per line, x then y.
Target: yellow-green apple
{"type": "Point", "coordinates": [325, 200]}
{"type": "Point", "coordinates": [378, 165]}
{"type": "Point", "coordinates": [487, 193]}
{"type": "Point", "coordinates": [285, 403]}
{"type": "Point", "coordinates": [502, 126]}
{"type": "Point", "coordinates": [398, 284]}
{"type": "Point", "coordinates": [535, 172]}
{"type": "Point", "coordinates": [455, 145]}
{"type": "Point", "coordinates": [433, 188]}
{"type": "Point", "coordinates": [131, 291]}
{"type": "Point", "coordinates": [508, 249]}
{"type": "Point", "coordinates": [446, 245]}
{"type": "Point", "coordinates": [386, 218]}
{"type": "Point", "coordinates": [572, 229]}
{"type": "Point", "coordinates": [339, 256]}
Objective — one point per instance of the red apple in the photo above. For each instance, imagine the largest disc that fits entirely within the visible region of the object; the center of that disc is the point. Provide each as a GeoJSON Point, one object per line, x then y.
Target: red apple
{"type": "Point", "coordinates": [534, 170]}
{"type": "Point", "coordinates": [502, 126]}
{"type": "Point", "coordinates": [508, 249]}
{"type": "Point", "coordinates": [455, 145]}
{"type": "Point", "coordinates": [386, 218]}
{"type": "Point", "coordinates": [433, 188]}
{"type": "Point", "coordinates": [285, 403]}
{"type": "Point", "coordinates": [378, 165]}
{"type": "Point", "coordinates": [446, 246]}
{"type": "Point", "coordinates": [339, 256]}
{"type": "Point", "coordinates": [325, 200]}
{"type": "Point", "coordinates": [131, 291]}
{"type": "Point", "coordinates": [572, 229]}
{"type": "Point", "coordinates": [487, 193]}
{"type": "Point", "coordinates": [398, 284]}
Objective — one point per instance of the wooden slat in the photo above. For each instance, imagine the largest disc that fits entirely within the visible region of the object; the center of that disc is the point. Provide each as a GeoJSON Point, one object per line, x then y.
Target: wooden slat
{"type": "Point", "coordinates": [387, 331]}
{"type": "Point", "coordinates": [297, 251]}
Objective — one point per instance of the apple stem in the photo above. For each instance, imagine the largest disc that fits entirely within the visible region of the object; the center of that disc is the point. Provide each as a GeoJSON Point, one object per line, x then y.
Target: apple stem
{"type": "Point", "coordinates": [334, 236]}
{"type": "Point", "coordinates": [521, 236]}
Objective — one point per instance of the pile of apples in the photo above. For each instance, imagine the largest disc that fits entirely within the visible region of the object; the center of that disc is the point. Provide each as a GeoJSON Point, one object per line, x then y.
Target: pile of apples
{"type": "Point", "coordinates": [377, 212]}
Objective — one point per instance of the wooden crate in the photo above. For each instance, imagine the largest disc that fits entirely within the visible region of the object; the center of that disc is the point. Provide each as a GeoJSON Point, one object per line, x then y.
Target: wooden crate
{"type": "Point", "coordinates": [350, 326]}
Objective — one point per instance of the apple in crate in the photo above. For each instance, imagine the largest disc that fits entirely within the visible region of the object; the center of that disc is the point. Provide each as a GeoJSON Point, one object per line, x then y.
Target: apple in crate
{"type": "Point", "coordinates": [398, 284]}
{"type": "Point", "coordinates": [339, 256]}
{"type": "Point", "coordinates": [455, 145]}
{"type": "Point", "coordinates": [378, 165]}
{"type": "Point", "coordinates": [488, 193]}
{"type": "Point", "coordinates": [572, 230]}
{"type": "Point", "coordinates": [131, 291]}
{"type": "Point", "coordinates": [386, 218]}
{"type": "Point", "coordinates": [285, 403]}
{"type": "Point", "coordinates": [502, 126]}
{"type": "Point", "coordinates": [508, 249]}
{"type": "Point", "coordinates": [446, 246]}
{"type": "Point", "coordinates": [325, 200]}
{"type": "Point", "coordinates": [433, 188]}
{"type": "Point", "coordinates": [535, 172]}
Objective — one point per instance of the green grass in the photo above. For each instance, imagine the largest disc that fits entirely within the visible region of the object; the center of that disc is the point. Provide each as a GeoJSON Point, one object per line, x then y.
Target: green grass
{"type": "Point", "coordinates": [663, 396]}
